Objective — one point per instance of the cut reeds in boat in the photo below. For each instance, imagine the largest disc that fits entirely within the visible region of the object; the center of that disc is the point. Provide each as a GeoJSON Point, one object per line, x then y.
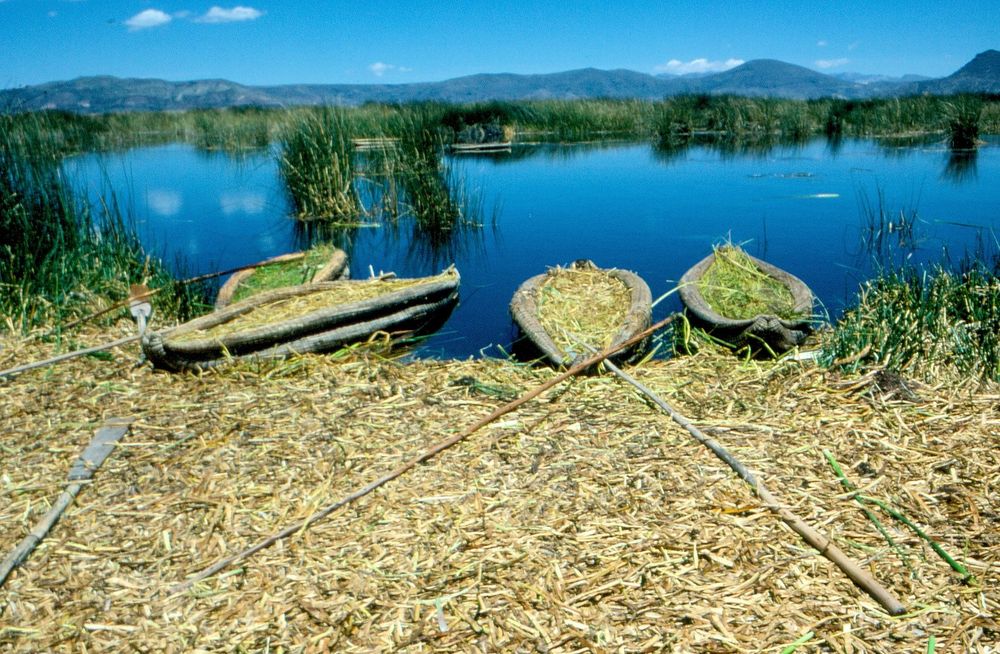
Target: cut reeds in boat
{"type": "Point", "coordinates": [747, 301]}
{"type": "Point", "coordinates": [323, 263]}
{"type": "Point", "coordinates": [307, 318]}
{"type": "Point", "coordinates": [565, 310]}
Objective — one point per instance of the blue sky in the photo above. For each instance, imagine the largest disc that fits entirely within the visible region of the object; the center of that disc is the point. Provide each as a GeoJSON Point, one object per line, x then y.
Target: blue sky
{"type": "Point", "coordinates": [371, 41]}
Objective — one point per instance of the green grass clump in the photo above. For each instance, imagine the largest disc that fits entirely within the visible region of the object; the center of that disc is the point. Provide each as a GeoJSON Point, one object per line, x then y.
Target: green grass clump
{"type": "Point", "coordinates": [61, 258]}
{"type": "Point", "coordinates": [316, 162]}
{"type": "Point", "coordinates": [736, 288]}
{"type": "Point", "coordinates": [284, 273]}
{"type": "Point", "coordinates": [964, 114]}
{"type": "Point", "coordinates": [924, 323]}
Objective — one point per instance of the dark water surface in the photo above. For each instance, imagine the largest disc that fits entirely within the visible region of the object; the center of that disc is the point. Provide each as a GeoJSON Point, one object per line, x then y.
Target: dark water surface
{"type": "Point", "coordinates": [622, 205]}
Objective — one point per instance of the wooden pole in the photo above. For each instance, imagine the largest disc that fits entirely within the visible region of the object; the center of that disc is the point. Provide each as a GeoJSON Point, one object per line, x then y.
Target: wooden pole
{"type": "Point", "coordinates": [10, 372]}
{"type": "Point", "coordinates": [83, 469]}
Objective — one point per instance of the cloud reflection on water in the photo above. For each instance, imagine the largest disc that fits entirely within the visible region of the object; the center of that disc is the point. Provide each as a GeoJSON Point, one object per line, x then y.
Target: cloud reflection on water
{"type": "Point", "coordinates": [248, 202]}
{"type": "Point", "coordinates": [164, 202]}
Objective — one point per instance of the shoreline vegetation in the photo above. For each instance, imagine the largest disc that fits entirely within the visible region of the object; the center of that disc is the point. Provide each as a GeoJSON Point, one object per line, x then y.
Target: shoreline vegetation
{"type": "Point", "coordinates": [958, 119]}
{"type": "Point", "coordinates": [63, 259]}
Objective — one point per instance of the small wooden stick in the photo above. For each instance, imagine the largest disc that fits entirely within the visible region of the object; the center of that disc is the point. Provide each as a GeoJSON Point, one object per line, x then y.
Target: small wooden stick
{"type": "Point", "coordinates": [824, 545]}
{"type": "Point", "coordinates": [10, 372]}
{"type": "Point", "coordinates": [83, 469]}
{"type": "Point", "coordinates": [417, 460]}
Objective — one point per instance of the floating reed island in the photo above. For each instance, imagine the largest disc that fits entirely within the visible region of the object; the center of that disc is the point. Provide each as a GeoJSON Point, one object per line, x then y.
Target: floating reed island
{"type": "Point", "coordinates": [747, 302]}
{"type": "Point", "coordinates": [323, 263]}
{"type": "Point", "coordinates": [565, 311]}
{"type": "Point", "coordinates": [582, 521]}
{"type": "Point", "coordinates": [316, 317]}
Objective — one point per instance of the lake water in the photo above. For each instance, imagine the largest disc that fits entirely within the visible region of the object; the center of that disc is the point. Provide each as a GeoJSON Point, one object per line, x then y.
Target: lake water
{"type": "Point", "coordinates": [622, 205]}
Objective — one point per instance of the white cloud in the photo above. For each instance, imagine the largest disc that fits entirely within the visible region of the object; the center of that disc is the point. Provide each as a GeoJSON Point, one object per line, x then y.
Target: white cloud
{"type": "Point", "coordinates": [821, 43]}
{"type": "Point", "coordinates": [379, 69]}
{"type": "Point", "coordinates": [234, 15]}
{"type": "Point", "coordinates": [853, 46]}
{"type": "Point", "coordinates": [147, 18]}
{"type": "Point", "coordinates": [52, 14]}
{"type": "Point", "coordinates": [831, 63]}
{"type": "Point", "coordinates": [700, 65]}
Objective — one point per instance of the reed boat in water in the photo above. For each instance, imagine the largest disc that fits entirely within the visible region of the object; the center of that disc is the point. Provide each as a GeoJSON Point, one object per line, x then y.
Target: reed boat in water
{"type": "Point", "coordinates": [323, 263]}
{"type": "Point", "coordinates": [760, 306]}
{"type": "Point", "coordinates": [480, 148]}
{"type": "Point", "coordinates": [561, 308]}
{"type": "Point", "coordinates": [317, 317]}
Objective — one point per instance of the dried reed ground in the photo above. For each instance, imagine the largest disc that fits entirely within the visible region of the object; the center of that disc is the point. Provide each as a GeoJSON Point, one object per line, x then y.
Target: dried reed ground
{"type": "Point", "coordinates": [581, 522]}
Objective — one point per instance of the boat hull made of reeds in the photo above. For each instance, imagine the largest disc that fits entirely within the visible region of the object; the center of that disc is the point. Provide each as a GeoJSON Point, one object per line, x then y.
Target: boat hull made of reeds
{"type": "Point", "coordinates": [537, 342]}
{"type": "Point", "coordinates": [778, 334]}
{"type": "Point", "coordinates": [419, 307]}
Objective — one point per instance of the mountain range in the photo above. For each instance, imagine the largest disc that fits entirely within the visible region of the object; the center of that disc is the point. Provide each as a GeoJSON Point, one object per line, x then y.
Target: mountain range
{"type": "Point", "coordinates": [760, 77]}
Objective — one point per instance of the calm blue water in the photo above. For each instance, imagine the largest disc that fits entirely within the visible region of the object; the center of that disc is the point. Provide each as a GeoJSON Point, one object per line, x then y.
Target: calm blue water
{"type": "Point", "coordinates": [624, 205]}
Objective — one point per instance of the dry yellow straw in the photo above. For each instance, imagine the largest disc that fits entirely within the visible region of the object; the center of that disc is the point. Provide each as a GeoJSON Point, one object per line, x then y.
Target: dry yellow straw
{"type": "Point", "coordinates": [412, 463]}
{"type": "Point", "coordinates": [823, 545]}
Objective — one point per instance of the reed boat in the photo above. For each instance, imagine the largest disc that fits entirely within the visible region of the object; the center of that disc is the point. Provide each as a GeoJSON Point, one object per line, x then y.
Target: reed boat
{"type": "Point", "coordinates": [317, 317]}
{"type": "Point", "coordinates": [766, 330]}
{"type": "Point", "coordinates": [319, 264]}
{"type": "Point", "coordinates": [480, 148]}
{"type": "Point", "coordinates": [603, 308]}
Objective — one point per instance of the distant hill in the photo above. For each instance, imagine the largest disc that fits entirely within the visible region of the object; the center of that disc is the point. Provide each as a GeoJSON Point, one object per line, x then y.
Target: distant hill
{"type": "Point", "coordinates": [981, 75]}
{"type": "Point", "coordinates": [772, 78]}
{"type": "Point", "coordinates": [105, 93]}
{"type": "Point", "coordinates": [760, 77]}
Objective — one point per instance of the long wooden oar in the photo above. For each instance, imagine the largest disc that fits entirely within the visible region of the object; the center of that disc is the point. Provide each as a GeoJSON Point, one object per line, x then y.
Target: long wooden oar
{"type": "Point", "coordinates": [824, 545]}
{"type": "Point", "coordinates": [417, 460]}
{"type": "Point", "coordinates": [83, 469]}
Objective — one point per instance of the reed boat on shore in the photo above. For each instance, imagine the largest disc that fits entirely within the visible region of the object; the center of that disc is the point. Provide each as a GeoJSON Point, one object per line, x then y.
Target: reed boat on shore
{"type": "Point", "coordinates": [323, 263]}
{"type": "Point", "coordinates": [761, 307]}
{"type": "Point", "coordinates": [560, 310]}
{"type": "Point", "coordinates": [317, 317]}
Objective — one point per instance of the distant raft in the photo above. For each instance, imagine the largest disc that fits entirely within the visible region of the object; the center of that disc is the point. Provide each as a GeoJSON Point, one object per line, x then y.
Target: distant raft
{"type": "Point", "coordinates": [316, 317]}
{"type": "Point", "coordinates": [559, 310]}
{"type": "Point", "coordinates": [769, 309]}
{"type": "Point", "coordinates": [323, 263]}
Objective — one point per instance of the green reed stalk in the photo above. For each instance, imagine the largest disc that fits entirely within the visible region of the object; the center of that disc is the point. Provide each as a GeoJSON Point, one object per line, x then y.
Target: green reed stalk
{"type": "Point", "coordinates": [316, 162]}
{"type": "Point", "coordinates": [919, 322]}
{"type": "Point", "coordinates": [60, 257]}
{"type": "Point", "coordinates": [846, 483]}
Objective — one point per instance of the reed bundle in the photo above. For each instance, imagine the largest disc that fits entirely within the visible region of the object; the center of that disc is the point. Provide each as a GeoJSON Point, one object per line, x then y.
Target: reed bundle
{"type": "Point", "coordinates": [284, 273]}
{"type": "Point", "coordinates": [321, 297]}
{"type": "Point", "coordinates": [736, 288]}
{"type": "Point", "coordinates": [582, 304]}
